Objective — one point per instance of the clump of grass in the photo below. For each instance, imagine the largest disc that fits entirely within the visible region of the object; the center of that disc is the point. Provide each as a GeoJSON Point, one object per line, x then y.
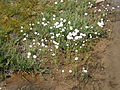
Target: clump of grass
{"type": "Point", "coordinates": [60, 34]}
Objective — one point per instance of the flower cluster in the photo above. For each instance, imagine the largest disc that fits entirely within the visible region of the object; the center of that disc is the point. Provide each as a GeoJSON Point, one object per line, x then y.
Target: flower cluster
{"type": "Point", "coordinates": [101, 23]}
{"type": "Point", "coordinates": [56, 31]}
{"type": "Point", "coordinates": [74, 35]}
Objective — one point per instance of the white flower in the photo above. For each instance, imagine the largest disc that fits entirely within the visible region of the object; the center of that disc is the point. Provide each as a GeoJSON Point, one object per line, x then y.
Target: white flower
{"type": "Point", "coordinates": [52, 37]}
{"type": "Point", "coordinates": [57, 35]}
{"type": "Point", "coordinates": [90, 36]}
{"type": "Point", "coordinates": [92, 27]}
{"type": "Point", "coordinates": [56, 46]}
{"type": "Point", "coordinates": [99, 10]}
{"type": "Point", "coordinates": [28, 56]}
{"type": "Point", "coordinates": [76, 50]}
{"type": "Point", "coordinates": [63, 30]}
{"type": "Point", "coordinates": [45, 24]}
{"type": "Point", "coordinates": [83, 44]}
{"type": "Point", "coordinates": [43, 45]}
{"type": "Point", "coordinates": [21, 30]}
{"type": "Point", "coordinates": [27, 35]}
{"type": "Point", "coordinates": [67, 44]}
{"type": "Point", "coordinates": [76, 37]}
{"type": "Point", "coordinates": [33, 40]}
{"type": "Point", "coordinates": [61, 1]}
{"type": "Point", "coordinates": [54, 15]}
{"type": "Point", "coordinates": [118, 6]}
{"type": "Point", "coordinates": [85, 14]}
{"type": "Point", "coordinates": [76, 58]}
{"type": "Point", "coordinates": [81, 34]}
{"type": "Point", "coordinates": [64, 20]}
{"type": "Point", "coordinates": [98, 33]}
{"type": "Point", "coordinates": [38, 22]}
{"type": "Point", "coordinates": [63, 71]}
{"type": "Point", "coordinates": [70, 71]}
{"type": "Point", "coordinates": [61, 24]}
{"type": "Point", "coordinates": [24, 34]}
{"type": "Point", "coordinates": [30, 46]}
{"type": "Point", "coordinates": [76, 30]}
{"type": "Point", "coordinates": [42, 40]}
{"type": "Point", "coordinates": [108, 5]}
{"type": "Point", "coordinates": [46, 46]}
{"type": "Point", "coordinates": [31, 28]}
{"type": "Point", "coordinates": [56, 23]}
{"type": "Point", "coordinates": [34, 56]}
{"type": "Point", "coordinates": [51, 50]}
{"type": "Point", "coordinates": [33, 43]}
{"type": "Point", "coordinates": [21, 27]}
{"type": "Point", "coordinates": [113, 7]}
{"type": "Point", "coordinates": [53, 18]}
{"type": "Point", "coordinates": [83, 41]}
{"type": "Point", "coordinates": [35, 33]}
{"type": "Point", "coordinates": [61, 19]}
{"type": "Point", "coordinates": [86, 27]}
{"type": "Point", "coordinates": [38, 43]}
{"type": "Point", "coordinates": [64, 27]}
{"type": "Point", "coordinates": [71, 28]}
{"type": "Point", "coordinates": [55, 43]}
{"type": "Point", "coordinates": [69, 22]}
{"type": "Point", "coordinates": [42, 23]}
{"type": "Point", "coordinates": [95, 7]}
{"type": "Point", "coordinates": [74, 33]}
{"type": "Point", "coordinates": [95, 32]}
{"type": "Point", "coordinates": [84, 70]}
{"type": "Point", "coordinates": [30, 24]}
{"type": "Point", "coordinates": [53, 54]}
{"type": "Point", "coordinates": [101, 23]}
{"type": "Point", "coordinates": [56, 2]}
{"type": "Point", "coordinates": [51, 27]}
{"type": "Point", "coordinates": [43, 19]}
{"type": "Point", "coordinates": [29, 53]}
{"type": "Point", "coordinates": [24, 39]}
{"type": "Point", "coordinates": [69, 37]}
{"type": "Point", "coordinates": [33, 24]}
{"type": "Point", "coordinates": [38, 34]}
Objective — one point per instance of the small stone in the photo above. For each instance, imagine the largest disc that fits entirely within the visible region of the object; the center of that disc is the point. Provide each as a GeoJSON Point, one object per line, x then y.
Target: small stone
{"type": "Point", "coordinates": [99, 1]}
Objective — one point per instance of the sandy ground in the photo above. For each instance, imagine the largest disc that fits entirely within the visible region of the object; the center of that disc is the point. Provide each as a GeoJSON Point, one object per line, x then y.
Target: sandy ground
{"type": "Point", "coordinates": [111, 59]}
{"type": "Point", "coordinates": [111, 56]}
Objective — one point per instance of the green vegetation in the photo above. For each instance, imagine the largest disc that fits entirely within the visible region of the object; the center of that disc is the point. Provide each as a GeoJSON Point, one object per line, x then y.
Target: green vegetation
{"type": "Point", "coordinates": [43, 36]}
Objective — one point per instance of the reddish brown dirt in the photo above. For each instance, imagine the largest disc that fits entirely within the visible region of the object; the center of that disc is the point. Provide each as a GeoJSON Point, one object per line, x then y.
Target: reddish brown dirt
{"type": "Point", "coordinates": [27, 82]}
